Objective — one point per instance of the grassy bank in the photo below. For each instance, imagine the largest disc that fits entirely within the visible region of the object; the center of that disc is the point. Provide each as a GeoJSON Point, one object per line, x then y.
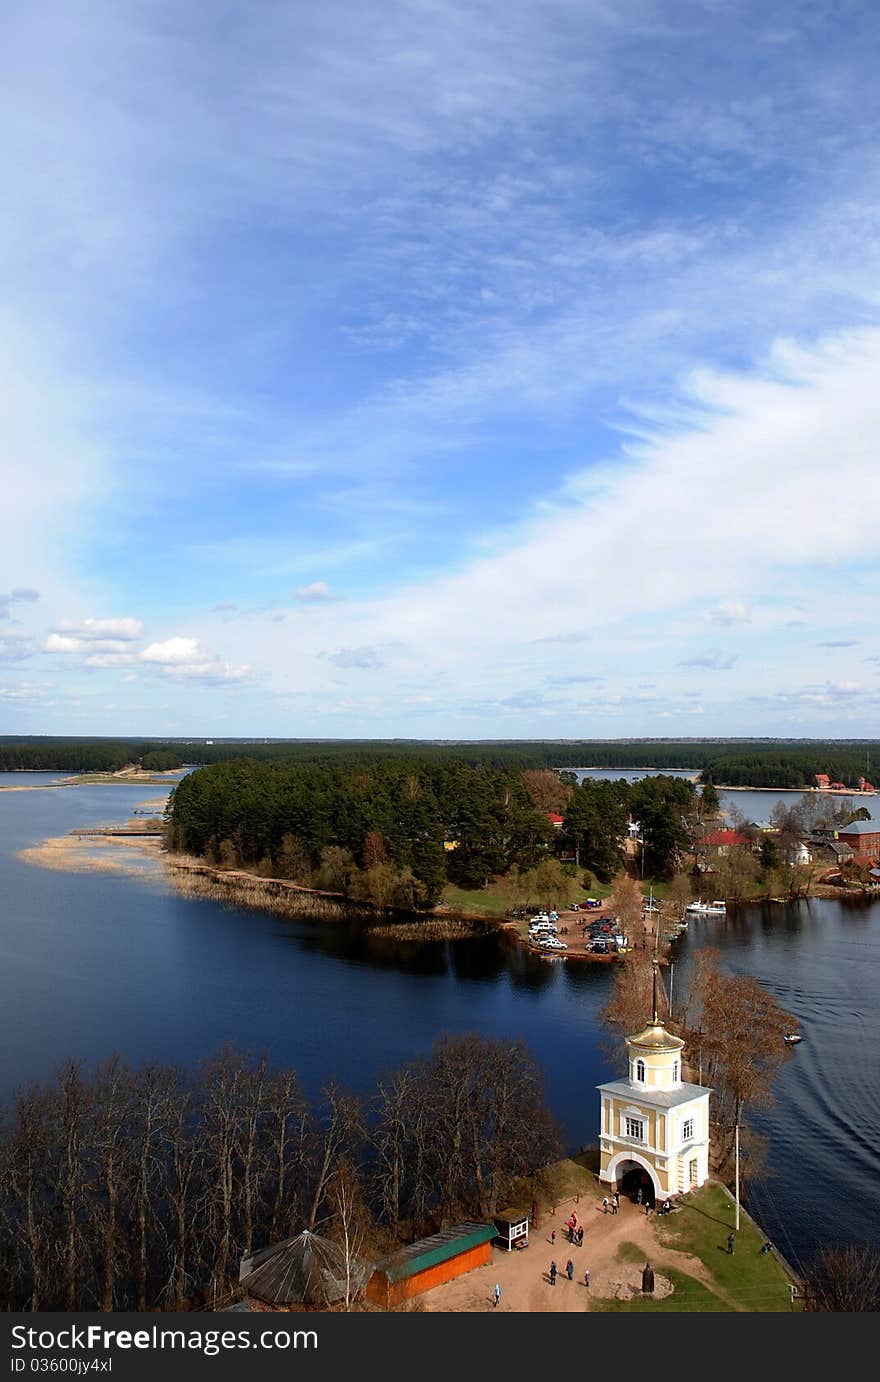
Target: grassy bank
{"type": "Point", "coordinates": [749, 1280]}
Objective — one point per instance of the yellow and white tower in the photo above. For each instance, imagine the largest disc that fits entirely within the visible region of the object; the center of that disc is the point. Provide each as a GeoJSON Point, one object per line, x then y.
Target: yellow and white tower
{"type": "Point", "coordinates": [655, 1127]}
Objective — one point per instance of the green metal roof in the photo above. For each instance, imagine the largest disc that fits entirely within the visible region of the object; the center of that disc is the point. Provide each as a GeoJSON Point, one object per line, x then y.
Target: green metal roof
{"type": "Point", "coordinates": [440, 1247]}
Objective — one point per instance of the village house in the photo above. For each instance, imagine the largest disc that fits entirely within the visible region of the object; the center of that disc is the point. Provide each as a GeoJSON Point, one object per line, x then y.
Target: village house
{"type": "Point", "coordinates": [863, 838]}
{"type": "Point", "coordinates": [709, 849]}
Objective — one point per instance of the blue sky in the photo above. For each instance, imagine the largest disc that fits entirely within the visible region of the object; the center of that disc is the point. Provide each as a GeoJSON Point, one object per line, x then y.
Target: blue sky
{"type": "Point", "coordinates": [440, 369]}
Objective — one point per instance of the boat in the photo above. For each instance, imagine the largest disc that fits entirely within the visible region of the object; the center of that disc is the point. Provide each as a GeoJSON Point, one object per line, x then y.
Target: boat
{"type": "Point", "coordinates": [792, 1038]}
{"type": "Point", "coordinates": [718, 908]}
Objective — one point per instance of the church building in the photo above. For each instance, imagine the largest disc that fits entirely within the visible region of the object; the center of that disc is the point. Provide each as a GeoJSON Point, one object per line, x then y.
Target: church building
{"type": "Point", "coordinates": [654, 1133]}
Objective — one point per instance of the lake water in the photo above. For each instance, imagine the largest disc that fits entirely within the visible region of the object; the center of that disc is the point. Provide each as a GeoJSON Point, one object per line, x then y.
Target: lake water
{"type": "Point", "coordinates": [91, 963]}
{"type": "Point", "coordinates": [756, 806]}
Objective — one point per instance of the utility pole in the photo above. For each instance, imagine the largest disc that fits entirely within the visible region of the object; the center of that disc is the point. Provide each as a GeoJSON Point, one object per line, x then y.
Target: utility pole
{"type": "Point", "coordinates": [736, 1145]}
{"type": "Point", "coordinates": [671, 983]}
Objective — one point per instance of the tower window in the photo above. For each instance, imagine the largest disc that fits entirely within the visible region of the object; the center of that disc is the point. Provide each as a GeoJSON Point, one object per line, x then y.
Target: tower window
{"type": "Point", "coordinates": [675, 1070]}
{"type": "Point", "coordinates": [687, 1129]}
{"type": "Point", "coordinates": [692, 1172]}
{"type": "Point", "coordinates": [635, 1128]}
{"type": "Point", "coordinates": [640, 1071]}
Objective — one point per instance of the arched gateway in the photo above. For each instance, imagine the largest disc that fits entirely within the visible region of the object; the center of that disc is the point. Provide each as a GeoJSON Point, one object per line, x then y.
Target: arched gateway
{"type": "Point", "coordinates": [654, 1124]}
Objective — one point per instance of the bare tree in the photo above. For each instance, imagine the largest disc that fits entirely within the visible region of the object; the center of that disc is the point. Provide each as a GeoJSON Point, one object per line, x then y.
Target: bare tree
{"type": "Point", "coordinates": [288, 1124]}
{"type": "Point", "coordinates": [70, 1117]}
{"type": "Point", "coordinates": [26, 1179]}
{"type": "Point", "coordinates": [334, 1139]}
{"type": "Point", "coordinates": [350, 1223]}
{"type": "Point", "coordinates": [844, 1280]}
{"type": "Point", "coordinates": [626, 902]}
{"type": "Point", "coordinates": [111, 1110]}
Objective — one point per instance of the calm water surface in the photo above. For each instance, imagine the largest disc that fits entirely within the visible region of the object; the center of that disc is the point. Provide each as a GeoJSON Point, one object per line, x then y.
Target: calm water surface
{"type": "Point", "coordinates": [91, 963]}
{"type": "Point", "coordinates": [756, 806]}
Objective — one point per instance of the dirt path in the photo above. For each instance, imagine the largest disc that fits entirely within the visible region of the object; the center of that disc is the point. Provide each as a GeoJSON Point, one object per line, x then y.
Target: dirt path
{"type": "Point", "coordinates": [524, 1276]}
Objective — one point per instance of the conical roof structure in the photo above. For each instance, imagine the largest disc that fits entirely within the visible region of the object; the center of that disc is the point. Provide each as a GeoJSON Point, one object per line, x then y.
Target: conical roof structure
{"type": "Point", "coordinates": [305, 1270]}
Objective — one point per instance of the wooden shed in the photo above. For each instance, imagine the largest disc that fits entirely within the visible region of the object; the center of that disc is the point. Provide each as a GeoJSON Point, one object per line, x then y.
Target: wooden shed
{"type": "Point", "coordinates": [305, 1272]}
{"type": "Point", "coordinates": [512, 1227]}
{"type": "Point", "coordinates": [430, 1262]}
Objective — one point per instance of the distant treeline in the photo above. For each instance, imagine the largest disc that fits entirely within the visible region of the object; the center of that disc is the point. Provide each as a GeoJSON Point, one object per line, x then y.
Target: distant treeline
{"type": "Point", "coordinates": [142, 1189]}
{"type": "Point", "coordinates": [86, 755]}
{"type": "Point", "coordinates": [737, 762]}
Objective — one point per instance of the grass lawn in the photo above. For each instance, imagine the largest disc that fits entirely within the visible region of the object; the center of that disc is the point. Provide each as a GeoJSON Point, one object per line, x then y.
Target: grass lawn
{"type": "Point", "coordinates": [754, 1280]}
{"type": "Point", "coordinates": [495, 900]}
{"type": "Point", "coordinates": [748, 1281]}
{"type": "Point", "coordinates": [491, 901]}
{"type": "Point", "coordinates": [561, 1180]}
{"type": "Point", "coordinates": [689, 1296]}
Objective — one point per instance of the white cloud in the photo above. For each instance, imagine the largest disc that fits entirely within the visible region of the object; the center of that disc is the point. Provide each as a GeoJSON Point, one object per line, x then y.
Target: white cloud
{"type": "Point", "coordinates": [187, 659]}
{"type": "Point", "coordinates": [364, 657]}
{"type": "Point", "coordinates": [18, 595]}
{"type": "Point", "coordinates": [176, 652]}
{"type": "Point", "coordinates": [318, 590]}
{"type": "Point", "coordinates": [713, 662]}
{"type": "Point", "coordinates": [728, 612]}
{"type": "Point", "coordinates": [87, 630]}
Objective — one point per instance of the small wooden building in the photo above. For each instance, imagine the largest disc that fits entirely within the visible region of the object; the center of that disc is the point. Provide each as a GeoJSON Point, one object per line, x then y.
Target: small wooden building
{"type": "Point", "coordinates": [513, 1228]}
{"type": "Point", "coordinates": [430, 1262]}
{"type": "Point", "coordinates": [305, 1272]}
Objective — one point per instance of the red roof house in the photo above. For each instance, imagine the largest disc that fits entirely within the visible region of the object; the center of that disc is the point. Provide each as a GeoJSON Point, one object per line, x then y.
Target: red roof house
{"type": "Point", "coordinates": [823, 782]}
{"type": "Point", "coordinates": [555, 820]}
{"type": "Point", "coordinates": [723, 840]}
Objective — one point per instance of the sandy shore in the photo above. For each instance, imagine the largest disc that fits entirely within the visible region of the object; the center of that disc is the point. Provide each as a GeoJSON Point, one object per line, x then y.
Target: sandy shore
{"type": "Point", "coordinates": [138, 857]}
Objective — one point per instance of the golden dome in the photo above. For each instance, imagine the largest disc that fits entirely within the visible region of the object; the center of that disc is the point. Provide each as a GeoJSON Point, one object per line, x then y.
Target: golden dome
{"type": "Point", "coordinates": [655, 1037]}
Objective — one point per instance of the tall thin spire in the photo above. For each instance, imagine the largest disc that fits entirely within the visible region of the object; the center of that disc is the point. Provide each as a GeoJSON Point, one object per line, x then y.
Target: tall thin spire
{"type": "Point", "coordinates": [655, 1018]}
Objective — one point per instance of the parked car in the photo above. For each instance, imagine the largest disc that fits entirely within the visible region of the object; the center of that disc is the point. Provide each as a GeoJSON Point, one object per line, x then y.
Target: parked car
{"type": "Point", "coordinates": [551, 943]}
{"type": "Point", "coordinates": [592, 902]}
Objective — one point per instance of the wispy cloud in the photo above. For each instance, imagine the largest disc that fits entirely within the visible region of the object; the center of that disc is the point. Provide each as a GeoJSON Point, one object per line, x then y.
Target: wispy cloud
{"type": "Point", "coordinates": [315, 592]}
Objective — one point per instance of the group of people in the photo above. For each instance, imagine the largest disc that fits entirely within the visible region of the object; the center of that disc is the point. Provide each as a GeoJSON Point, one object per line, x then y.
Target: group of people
{"type": "Point", "coordinates": [575, 1234]}
{"type": "Point", "coordinates": [569, 1272]}
{"type": "Point", "coordinates": [613, 1204]}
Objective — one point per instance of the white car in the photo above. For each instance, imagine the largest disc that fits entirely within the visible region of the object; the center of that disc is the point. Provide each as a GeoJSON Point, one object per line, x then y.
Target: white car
{"type": "Point", "coordinates": [542, 928]}
{"type": "Point", "coordinates": [551, 943]}
{"type": "Point", "coordinates": [540, 916]}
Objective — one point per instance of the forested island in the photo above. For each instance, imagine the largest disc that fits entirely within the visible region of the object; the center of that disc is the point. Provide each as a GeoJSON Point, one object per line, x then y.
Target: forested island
{"type": "Point", "coordinates": [398, 829]}
{"type": "Point", "coordinates": [733, 762]}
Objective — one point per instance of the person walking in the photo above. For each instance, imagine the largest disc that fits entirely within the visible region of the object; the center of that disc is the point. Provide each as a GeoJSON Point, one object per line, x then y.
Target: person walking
{"type": "Point", "coordinates": [614, 1206]}
{"type": "Point", "coordinates": [605, 1205]}
{"type": "Point", "coordinates": [581, 1236]}
{"type": "Point", "coordinates": [497, 1294]}
{"type": "Point", "coordinates": [553, 1270]}
{"type": "Point", "coordinates": [569, 1269]}
{"type": "Point", "coordinates": [617, 1199]}
{"type": "Point", "coordinates": [731, 1240]}
{"type": "Point", "coordinates": [553, 1236]}
{"type": "Point", "coordinates": [587, 1277]}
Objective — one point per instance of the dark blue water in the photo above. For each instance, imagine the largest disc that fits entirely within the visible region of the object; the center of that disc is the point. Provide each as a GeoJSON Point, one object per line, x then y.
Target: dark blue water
{"type": "Point", "coordinates": [91, 963]}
